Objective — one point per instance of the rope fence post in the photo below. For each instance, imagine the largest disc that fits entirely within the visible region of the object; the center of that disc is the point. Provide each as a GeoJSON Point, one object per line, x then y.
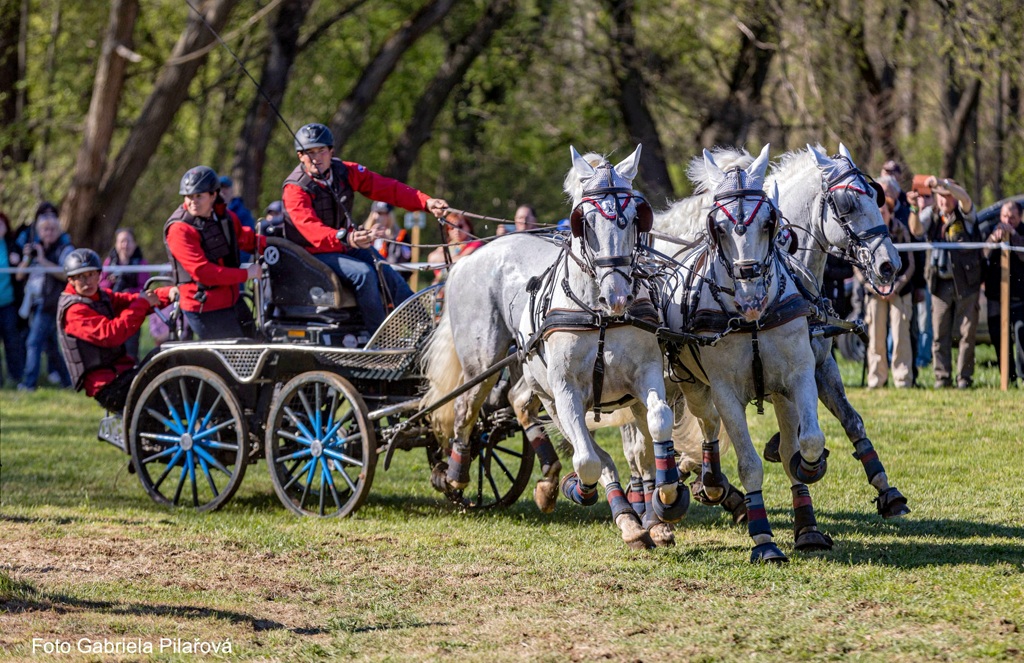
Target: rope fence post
{"type": "Point", "coordinates": [1004, 319]}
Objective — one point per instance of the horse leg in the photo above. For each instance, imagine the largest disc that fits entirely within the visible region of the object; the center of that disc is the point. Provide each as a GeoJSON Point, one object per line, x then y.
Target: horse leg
{"type": "Point", "coordinates": [526, 407]}
{"type": "Point", "coordinates": [710, 487]}
{"type": "Point", "coordinates": [733, 412]}
{"type": "Point", "coordinates": [625, 518]}
{"type": "Point", "coordinates": [639, 455]}
{"type": "Point", "coordinates": [806, 535]}
{"type": "Point", "coordinates": [467, 409]}
{"type": "Point", "coordinates": [654, 422]}
{"type": "Point", "coordinates": [808, 463]}
{"type": "Point", "coordinates": [890, 502]}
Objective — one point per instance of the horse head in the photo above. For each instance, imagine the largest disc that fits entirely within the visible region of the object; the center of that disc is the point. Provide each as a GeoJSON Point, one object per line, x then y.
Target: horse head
{"type": "Point", "coordinates": [607, 217]}
{"type": "Point", "coordinates": [741, 228]}
{"type": "Point", "coordinates": [851, 217]}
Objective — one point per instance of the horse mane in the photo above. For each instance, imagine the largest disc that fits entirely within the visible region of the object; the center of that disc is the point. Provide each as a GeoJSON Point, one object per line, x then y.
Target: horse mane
{"type": "Point", "coordinates": [794, 166]}
{"type": "Point", "coordinates": [685, 218]}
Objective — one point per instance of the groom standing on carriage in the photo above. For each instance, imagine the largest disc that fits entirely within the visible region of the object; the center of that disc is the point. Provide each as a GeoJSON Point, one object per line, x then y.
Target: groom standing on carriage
{"type": "Point", "coordinates": [318, 197]}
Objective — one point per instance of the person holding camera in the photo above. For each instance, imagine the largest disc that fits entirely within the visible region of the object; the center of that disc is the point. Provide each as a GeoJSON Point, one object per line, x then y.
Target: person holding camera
{"type": "Point", "coordinates": [46, 246]}
{"type": "Point", "coordinates": [203, 239]}
{"type": "Point", "coordinates": [954, 278]}
{"type": "Point", "coordinates": [1009, 230]}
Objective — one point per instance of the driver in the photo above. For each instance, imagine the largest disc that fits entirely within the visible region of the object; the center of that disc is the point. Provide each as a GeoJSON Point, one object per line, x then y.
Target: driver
{"type": "Point", "coordinates": [93, 326]}
{"type": "Point", "coordinates": [318, 197]}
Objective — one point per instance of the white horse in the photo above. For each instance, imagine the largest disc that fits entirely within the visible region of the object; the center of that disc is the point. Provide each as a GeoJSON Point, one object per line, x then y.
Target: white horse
{"type": "Point", "coordinates": [584, 299]}
{"type": "Point", "coordinates": [738, 288]}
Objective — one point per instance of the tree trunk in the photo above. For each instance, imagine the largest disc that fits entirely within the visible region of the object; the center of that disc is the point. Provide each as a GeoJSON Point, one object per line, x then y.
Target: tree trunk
{"type": "Point", "coordinates": [729, 121]}
{"type": "Point", "coordinates": [952, 145]}
{"type": "Point", "coordinates": [51, 74]}
{"type": "Point", "coordinates": [169, 92]}
{"type": "Point", "coordinates": [633, 96]}
{"type": "Point", "coordinates": [349, 116]}
{"type": "Point", "coordinates": [460, 56]}
{"type": "Point", "coordinates": [100, 121]}
{"type": "Point", "coordinates": [11, 74]}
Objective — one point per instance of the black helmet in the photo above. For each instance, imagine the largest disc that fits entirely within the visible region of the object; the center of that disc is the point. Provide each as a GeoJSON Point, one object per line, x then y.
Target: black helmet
{"type": "Point", "coordinates": [200, 179]}
{"type": "Point", "coordinates": [80, 261]}
{"type": "Point", "coordinates": [313, 135]}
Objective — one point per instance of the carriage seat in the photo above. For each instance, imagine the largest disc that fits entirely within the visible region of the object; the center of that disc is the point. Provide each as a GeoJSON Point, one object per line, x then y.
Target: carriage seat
{"type": "Point", "coordinates": [303, 288]}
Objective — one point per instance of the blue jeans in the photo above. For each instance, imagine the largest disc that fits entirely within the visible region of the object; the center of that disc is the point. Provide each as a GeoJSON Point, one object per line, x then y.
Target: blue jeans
{"type": "Point", "coordinates": [356, 269]}
{"type": "Point", "coordinates": [42, 335]}
{"type": "Point", "coordinates": [14, 345]}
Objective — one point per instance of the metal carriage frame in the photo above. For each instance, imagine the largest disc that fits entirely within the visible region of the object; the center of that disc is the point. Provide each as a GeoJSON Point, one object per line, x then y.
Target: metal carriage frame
{"type": "Point", "coordinates": [199, 413]}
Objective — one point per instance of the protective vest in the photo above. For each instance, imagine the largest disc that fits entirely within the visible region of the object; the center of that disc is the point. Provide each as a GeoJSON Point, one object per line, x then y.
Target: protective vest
{"type": "Point", "coordinates": [333, 205]}
{"type": "Point", "coordinates": [216, 236]}
{"type": "Point", "coordinates": [82, 356]}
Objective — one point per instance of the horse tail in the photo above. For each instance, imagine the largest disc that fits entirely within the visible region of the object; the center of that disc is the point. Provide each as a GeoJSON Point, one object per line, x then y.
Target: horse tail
{"type": "Point", "coordinates": [443, 371]}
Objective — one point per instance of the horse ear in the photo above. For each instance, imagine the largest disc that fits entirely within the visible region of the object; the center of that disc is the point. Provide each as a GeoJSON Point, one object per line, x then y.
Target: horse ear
{"type": "Point", "coordinates": [627, 168]}
{"type": "Point", "coordinates": [845, 152]}
{"type": "Point", "coordinates": [715, 174]}
{"type": "Point", "coordinates": [580, 165]}
{"type": "Point", "coordinates": [824, 163]}
{"type": "Point", "coordinates": [757, 169]}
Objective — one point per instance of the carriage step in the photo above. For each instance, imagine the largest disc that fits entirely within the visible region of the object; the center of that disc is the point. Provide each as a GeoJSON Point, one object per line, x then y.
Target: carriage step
{"type": "Point", "coordinates": [111, 429]}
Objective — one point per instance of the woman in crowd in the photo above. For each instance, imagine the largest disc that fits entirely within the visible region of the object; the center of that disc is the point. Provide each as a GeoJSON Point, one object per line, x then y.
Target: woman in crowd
{"type": "Point", "coordinates": [462, 242]}
{"type": "Point", "coordinates": [126, 252]}
{"type": "Point", "coordinates": [10, 335]}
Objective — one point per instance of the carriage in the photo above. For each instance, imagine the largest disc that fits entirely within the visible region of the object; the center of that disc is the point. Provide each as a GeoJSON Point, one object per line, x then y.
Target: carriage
{"type": "Point", "coordinates": [319, 409]}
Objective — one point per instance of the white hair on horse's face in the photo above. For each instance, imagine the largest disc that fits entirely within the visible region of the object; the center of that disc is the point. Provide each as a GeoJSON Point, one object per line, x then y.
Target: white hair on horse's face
{"type": "Point", "coordinates": [725, 157]}
{"type": "Point", "coordinates": [620, 175]}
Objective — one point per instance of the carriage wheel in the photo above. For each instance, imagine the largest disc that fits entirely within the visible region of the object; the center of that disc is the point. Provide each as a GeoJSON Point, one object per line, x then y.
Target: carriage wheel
{"type": "Point", "coordinates": [188, 439]}
{"type": "Point", "coordinates": [321, 448]}
{"type": "Point", "coordinates": [503, 466]}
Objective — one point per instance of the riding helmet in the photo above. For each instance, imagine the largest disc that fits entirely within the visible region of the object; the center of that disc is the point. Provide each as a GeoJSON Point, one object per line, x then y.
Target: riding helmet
{"type": "Point", "coordinates": [313, 135]}
{"type": "Point", "coordinates": [200, 179]}
{"type": "Point", "coordinates": [80, 261]}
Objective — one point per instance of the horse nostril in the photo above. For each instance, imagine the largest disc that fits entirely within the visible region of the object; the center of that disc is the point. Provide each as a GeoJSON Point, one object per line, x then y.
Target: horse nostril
{"type": "Point", "coordinates": [602, 299]}
{"type": "Point", "coordinates": [629, 299]}
{"type": "Point", "coordinates": [885, 270]}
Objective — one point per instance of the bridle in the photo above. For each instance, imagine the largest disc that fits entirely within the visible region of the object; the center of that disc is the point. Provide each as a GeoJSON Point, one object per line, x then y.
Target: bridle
{"type": "Point", "coordinates": [579, 219]}
{"type": "Point", "coordinates": [840, 197]}
{"type": "Point", "coordinates": [742, 270]}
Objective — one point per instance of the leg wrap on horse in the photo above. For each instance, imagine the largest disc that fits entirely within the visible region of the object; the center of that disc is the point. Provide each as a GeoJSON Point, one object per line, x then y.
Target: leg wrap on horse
{"type": "Point", "coordinates": [735, 504]}
{"type": "Point", "coordinates": [757, 517]}
{"type": "Point", "coordinates": [809, 471]}
{"type": "Point", "coordinates": [868, 457]}
{"type": "Point", "coordinates": [636, 495]}
{"type": "Point", "coordinates": [458, 465]}
{"type": "Point", "coordinates": [577, 491]}
{"type": "Point", "coordinates": [805, 526]}
{"type": "Point", "coordinates": [542, 446]}
{"type": "Point", "coordinates": [671, 513]}
{"type": "Point", "coordinates": [666, 469]}
{"type": "Point", "coordinates": [617, 500]}
{"type": "Point", "coordinates": [710, 475]}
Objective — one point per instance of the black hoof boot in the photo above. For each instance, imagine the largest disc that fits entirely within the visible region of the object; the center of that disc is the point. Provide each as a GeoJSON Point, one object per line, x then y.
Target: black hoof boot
{"type": "Point", "coordinates": [767, 553]}
{"type": "Point", "coordinates": [736, 506]}
{"type": "Point", "coordinates": [891, 504]}
{"type": "Point", "coordinates": [809, 472]}
{"type": "Point", "coordinates": [812, 540]}
{"type": "Point", "coordinates": [671, 513]}
{"type": "Point", "coordinates": [771, 449]}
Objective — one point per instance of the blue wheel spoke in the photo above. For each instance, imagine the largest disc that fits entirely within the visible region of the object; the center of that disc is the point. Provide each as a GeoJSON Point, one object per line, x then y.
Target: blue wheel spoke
{"type": "Point", "coordinates": [323, 493]}
{"type": "Point", "coordinates": [348, 480]}
{"type": "Point", "coordinates": [319, 407]}
{"type": "Point", "coordinates": [295, 438]}
{"type": "Point", "coordinates": [192, 477]}
{"type": "Point", "coordinates": [298, 424]}
{"type": "Point", "coordinates": [166, 452]}
{"type": "Point", "coordinates": [309, 480]}
{"type": "Point", "coordinates": [329, 425]}
{"type": "Point", "coordinates": [178, 453]}
{"type": "Point", "coordinates": [187, 408]}
{"type": "Point", "coordinates": [204, 458]}
{"type": "Point", "coordinates": [181, 479]}
{"type": "Point", "coordinates": [194, 414]}
{"type": "Point", "coordinates": [507, 452]}
{"type": "Point", "coordinates": [328, 475]}
{"type": "Point", "coordinates": [342, 457]}
{"type": "Point", "coordinates": [209, 477]}
{"type": "Point", "coordinates": [172, 410]}
{"type": "Point", "coordinates": [157, 437]}
{"type": "Point", "coordinates": [204, 433]}
{"type": "Point", "coordinates": [311, 416]}
{"type": "Point", "coordinates": [301, 453]}
{"type": "Point", "coordinates": [216, 444]}
{"type": "Point", "coordinates": [210, 411]}
{"type": "Point", "coordinates": [172, 425]}
{"type": "Point", "coordinates": [297, 475]}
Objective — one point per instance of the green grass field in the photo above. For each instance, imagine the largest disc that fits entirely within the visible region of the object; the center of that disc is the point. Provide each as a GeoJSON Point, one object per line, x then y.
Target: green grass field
{"type": "Point", "coordinates": [84, 553]}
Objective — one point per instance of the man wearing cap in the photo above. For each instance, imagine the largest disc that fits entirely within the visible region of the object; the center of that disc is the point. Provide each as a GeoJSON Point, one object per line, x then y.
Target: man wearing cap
{"type": "Point", "coordinates": [274, 213]}
{"type": "Point", "coordinates": [203, 239]}
{"type": "Point", "coordinates": [954, 278]}
{"type": "Point", "coordinates": [318, 197]}
{"type": "Point", "coordinates": [94, 324]}
{"type": "Point", "coordinates": [237, 206]}
{"type": "Point", "coordinates": [1010, 230]}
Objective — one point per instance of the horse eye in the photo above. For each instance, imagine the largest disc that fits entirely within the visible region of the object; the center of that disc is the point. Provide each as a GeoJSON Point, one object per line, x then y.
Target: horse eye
{"type": "Point", "coordinates": [591, 237]}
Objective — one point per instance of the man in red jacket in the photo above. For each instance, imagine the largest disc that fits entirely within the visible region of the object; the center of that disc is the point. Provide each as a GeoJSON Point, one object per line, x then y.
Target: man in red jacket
{"type": "Point", "coordinates": [203, 239]}
{"type": "Point", "coordinates": [94, 325]}
{"type": "Point", "coordinates": [318, 197]}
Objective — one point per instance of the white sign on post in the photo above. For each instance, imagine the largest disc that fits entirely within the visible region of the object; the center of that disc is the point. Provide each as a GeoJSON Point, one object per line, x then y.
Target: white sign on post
{"type": "Point", "coordinates": [415, 220]}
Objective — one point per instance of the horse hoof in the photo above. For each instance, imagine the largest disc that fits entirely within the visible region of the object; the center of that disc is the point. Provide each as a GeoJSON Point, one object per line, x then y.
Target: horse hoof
{"type": "Point", "coordinates": [439, 477]}
{"type": "Point", "coordinates": [736, 506]}
{"type": "Point", "coordinates": [545, 494]}
{"type": "Point", "coordinates": [809, 472]}
{"type": "Point", "coordinates": [663, 535]}
{"type": "Point", "coordinates": [767, 553]}
{"type": "Point", "coordinates": [891, 504]}
{"type": "Point", "coordinates": [708, 496]}
{"type": "Point", "coordinates": [458, 475]}
{"type": "Point", "coordinates": [771, 449]}
{"type": "Point", "coordinates": [633, 534]}
{"type": "Point", "coordinates": [812, 540]}
{"type": "Point", "coordinates": [572, 489]}
{"type": "Point", "coordinates": [671, 513]}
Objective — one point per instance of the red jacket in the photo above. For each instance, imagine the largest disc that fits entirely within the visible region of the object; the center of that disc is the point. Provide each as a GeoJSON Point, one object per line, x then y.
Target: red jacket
{"type": "Point", "coordinates": [221, 282]}
{"type": "Point", "coordinates": [323, 238]}
{"type": "Point", "coordinates": [84, 323]}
